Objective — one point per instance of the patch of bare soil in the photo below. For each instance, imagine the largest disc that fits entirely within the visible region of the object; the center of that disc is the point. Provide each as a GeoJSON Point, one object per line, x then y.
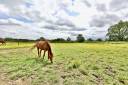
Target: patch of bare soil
{"type": "Point", "coordinates": [98, 79]}
{"type": "Point", "coordinates": [4, 80]}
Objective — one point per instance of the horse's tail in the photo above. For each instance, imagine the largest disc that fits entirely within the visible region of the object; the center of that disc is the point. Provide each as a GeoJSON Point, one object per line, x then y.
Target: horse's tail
{"type": "Point", "coordinates": [50, 54]}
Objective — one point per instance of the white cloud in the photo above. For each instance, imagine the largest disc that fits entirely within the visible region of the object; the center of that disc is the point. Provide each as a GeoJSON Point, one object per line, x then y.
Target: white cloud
{"type": "Point", "coordinates": [4, 9]}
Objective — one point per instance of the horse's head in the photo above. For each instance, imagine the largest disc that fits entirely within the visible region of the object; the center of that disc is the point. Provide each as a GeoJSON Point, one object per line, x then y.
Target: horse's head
{"type": "Point", "coordinates": [50, 56]}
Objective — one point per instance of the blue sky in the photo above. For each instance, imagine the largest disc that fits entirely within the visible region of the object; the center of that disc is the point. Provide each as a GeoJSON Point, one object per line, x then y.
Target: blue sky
{"type": "Point", "coordinates": [51, 19]}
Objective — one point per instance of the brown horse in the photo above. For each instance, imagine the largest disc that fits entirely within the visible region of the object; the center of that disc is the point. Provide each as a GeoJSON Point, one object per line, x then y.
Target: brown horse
{"type": "Point", "coordinates": [44, 45]}
{"type": "Point", "coordinates": [2, 41]}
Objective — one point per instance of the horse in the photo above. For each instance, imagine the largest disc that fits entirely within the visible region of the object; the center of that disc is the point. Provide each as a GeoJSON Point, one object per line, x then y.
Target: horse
{"type": "Point", "coordinates": [44, 45]}
{"type": "Point", "coordinates": [2, 41]}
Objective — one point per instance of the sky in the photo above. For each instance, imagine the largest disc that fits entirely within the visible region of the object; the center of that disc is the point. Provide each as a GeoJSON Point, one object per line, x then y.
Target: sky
{"type": "Point", "coordinates": [31, 19]}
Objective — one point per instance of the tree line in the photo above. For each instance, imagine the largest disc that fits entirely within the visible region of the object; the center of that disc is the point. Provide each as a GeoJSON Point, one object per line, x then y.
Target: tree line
{"type": "Point", "coordinates": [79, 38]}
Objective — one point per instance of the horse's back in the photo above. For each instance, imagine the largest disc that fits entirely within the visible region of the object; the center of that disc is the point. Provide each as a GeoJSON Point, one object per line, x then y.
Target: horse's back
{"type": "Point", "coordinates": [2, 40]}
{"type": "Point", "coordinates": [42, 44]}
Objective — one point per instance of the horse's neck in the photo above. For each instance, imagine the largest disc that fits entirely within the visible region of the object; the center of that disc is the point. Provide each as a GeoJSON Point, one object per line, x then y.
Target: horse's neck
{"type": "Point", "coordinates": [2, 41]}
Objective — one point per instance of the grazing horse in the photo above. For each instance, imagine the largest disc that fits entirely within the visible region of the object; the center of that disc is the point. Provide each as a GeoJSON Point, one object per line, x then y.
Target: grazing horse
{"type": "Point", "coordinates": [2, 41]}
{"type": "Point", "coordinates": [44, 45]}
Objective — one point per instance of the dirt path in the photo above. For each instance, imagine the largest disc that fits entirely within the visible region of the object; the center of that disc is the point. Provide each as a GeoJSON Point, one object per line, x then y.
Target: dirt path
{"type": "Point", "coordinates": [5, 81]}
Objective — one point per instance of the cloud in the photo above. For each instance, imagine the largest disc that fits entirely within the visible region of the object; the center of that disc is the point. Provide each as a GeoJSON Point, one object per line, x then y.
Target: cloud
{"type": "Point", "coordinates": [103, 20]}
{"type": "Point", "coordinates": [101, 7]}
{"type": "Point", "coordinates": [12, 21]}
{"type": "Point", "coordinates": [87, 3]}
{"type": "Point", "coordinates": [4, 9]}
{"type": "Point", "coordinates": [62, 25]}
{"type": "Point", "coordinates": [63, 28]}
{"type": "Point", "coordinates": [73, 33]}
{"type": "Point", "coordinates": [51, 27]}
{"type": "Point", "coordinates": [64, 22]}
{"type": "Point", "coordinates": [117, 5]}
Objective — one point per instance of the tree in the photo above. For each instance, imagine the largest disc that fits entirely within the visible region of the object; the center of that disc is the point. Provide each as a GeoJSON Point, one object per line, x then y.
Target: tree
{"type": "Point", "coordinates": [90, 39]}
{"type": "Point", "coordinates": [118, 31]}
{"type": "Point", "coordinates": [68, 39]}
{"type": "Point", "coordinates": [80, 38]}
{"type": "Point", "coordinates": [41, 38]}
{"type": "Point", "coordinates": [58, 40]}
{"type": "Point", "coordinates": [99, 39]}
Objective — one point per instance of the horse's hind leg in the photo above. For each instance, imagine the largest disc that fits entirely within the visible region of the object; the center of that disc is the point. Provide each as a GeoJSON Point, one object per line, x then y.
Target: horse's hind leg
{"type": "Point", "coordinates": [38, 51]}
{"type": "Point", "coordinates": [51, 59]}
{"type": "Point", "coordinates": [44, 54]}
{"type": "Point", "coordinates": [3, 43]}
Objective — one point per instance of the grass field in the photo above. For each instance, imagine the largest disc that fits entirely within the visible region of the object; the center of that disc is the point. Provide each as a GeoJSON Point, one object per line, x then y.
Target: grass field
{"type": "Point", "coordinates": [74, 64]}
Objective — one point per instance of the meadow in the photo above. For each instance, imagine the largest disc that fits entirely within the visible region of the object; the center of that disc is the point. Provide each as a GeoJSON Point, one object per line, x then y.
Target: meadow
{"type": "Point", "coordinates": [73, 64]}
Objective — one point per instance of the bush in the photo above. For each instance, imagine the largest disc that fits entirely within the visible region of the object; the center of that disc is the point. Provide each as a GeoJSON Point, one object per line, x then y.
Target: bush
{"type": "Point", "coordinates": [99, 39]}
{"type": "Point", "coordinates": [90, 39]}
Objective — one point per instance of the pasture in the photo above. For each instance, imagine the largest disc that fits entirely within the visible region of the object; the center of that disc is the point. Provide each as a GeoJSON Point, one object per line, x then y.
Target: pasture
{"type": "Point", "coordinates": [73, 64]}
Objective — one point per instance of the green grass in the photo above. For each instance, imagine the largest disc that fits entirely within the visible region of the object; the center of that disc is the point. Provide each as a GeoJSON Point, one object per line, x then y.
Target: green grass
{"type": "Point", "coordinates": [74, 64]}
{"type": "Point", "coordinates": [10, 45]}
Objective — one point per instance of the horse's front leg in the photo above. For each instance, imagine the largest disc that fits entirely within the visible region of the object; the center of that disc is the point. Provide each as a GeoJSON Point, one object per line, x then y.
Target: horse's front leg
{"type": "Point", "coordinates": [40, 53]}
{"type": "Point", "coordinates": [44, 53]}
